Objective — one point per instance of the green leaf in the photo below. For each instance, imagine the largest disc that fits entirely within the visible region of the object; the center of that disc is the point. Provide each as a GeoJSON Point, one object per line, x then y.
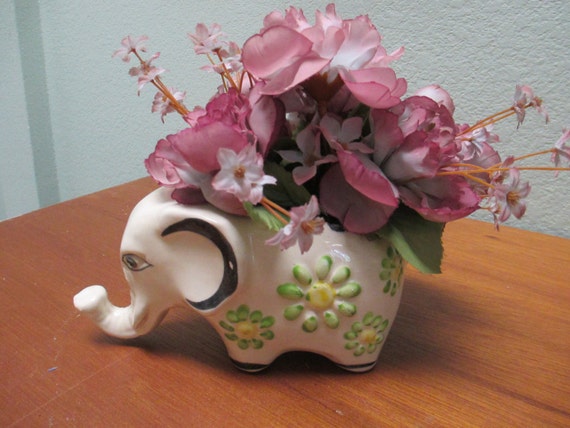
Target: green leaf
{"type": "Point", "coordinates": [417, 240]}
{"type": "Point", "coordinates": [260, 214]}
{"type": "Point", "coordinates": [285, 192]}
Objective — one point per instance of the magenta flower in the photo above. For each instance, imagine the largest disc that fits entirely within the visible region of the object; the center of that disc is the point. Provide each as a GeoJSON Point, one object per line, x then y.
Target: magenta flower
{"type": "Point", "coordinates": [242, 174]}
{"type": "Point", "coordinates": [303, 224]}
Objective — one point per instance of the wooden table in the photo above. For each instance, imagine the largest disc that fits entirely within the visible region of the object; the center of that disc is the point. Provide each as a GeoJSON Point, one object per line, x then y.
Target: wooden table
{"type": "Point", "coordinates": [485, 344]}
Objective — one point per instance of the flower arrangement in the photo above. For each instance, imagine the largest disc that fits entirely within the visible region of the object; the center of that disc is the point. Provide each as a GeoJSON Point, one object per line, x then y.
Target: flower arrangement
{"type": "Point", "coordinates": [310, 125]}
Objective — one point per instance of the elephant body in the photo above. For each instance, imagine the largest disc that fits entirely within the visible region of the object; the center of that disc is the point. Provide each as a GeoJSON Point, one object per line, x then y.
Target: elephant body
{"type": "Point", "coordinates": [339, 299]}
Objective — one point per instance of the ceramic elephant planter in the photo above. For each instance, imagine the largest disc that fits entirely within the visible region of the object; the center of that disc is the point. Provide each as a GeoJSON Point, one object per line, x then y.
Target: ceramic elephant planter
{"type": "Point", "coordinates": [339, 299]}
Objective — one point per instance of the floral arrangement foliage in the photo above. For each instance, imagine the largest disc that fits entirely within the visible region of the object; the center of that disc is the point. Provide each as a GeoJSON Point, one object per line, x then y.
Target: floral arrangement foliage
{"type": "Point", "coordinates": [310, 125]}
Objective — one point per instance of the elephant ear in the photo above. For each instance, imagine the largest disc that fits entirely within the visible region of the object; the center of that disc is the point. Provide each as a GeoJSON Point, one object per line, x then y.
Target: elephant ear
{"type": "Point", "coordinates": [229, 281]}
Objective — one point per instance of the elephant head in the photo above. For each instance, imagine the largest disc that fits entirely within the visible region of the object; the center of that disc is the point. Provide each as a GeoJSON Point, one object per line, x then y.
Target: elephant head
{"type": "Point", "coordinates": [171, 254]}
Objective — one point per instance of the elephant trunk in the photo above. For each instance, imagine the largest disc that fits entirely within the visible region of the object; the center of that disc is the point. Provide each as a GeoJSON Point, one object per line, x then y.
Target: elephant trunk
{"type": "Point", "coordinates": [124, 323]}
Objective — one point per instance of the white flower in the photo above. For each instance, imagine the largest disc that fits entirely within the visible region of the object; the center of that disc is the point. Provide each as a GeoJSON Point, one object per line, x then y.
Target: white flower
{"type": "Point", "coordinates": [303, 225]}
{"type": "Point", "coordinates": [242, 174]}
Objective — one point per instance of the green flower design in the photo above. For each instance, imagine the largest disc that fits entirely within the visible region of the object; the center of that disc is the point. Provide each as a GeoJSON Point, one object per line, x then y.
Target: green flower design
{"type": "Point", "coordinates": [366, 335]}
{"type": "Point", "coordinates": [247, 329]}
{"type": "Point", "coordinates": [320, 297]}
{"type": "Point", "coordinates": [392, 270]}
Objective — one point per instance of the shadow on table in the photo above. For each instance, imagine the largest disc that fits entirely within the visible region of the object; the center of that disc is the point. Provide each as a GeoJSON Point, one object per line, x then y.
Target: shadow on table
{"type": "Point", "coordinates": [419, 335]}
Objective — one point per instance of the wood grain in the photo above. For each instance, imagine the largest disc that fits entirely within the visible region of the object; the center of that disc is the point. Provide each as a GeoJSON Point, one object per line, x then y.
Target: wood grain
{"type": "Point", "coordinates": [486, 343]}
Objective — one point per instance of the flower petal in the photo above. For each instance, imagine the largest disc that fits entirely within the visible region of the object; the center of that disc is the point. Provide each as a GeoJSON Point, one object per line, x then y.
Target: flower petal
{"type": "Point", "coordinates": [356, 212]}
{"type": "Point", "coordinates": [365, 176]}
{"type": "Point", "coordinates": [375, 87]}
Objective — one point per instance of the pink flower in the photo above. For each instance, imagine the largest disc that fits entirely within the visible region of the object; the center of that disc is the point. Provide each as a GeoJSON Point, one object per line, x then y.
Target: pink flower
{"type": "Point", "coordinates": [524, 97]}
{"type": "Point", "coordinates": [146, 72]}
{"type": "Point", "coordinates": [303, 224]}
{"type": "Point", "coordinates": [440, 198]}
{"type": "Point", "coordinates": [266, 118]}
{"type": "Point", "coordinates": [357, 212]}
{"type": "Point", "coordinates": [561, 151]}
{"type": "Point", "coordinates": [508, 196]}
{"type": "Point", "coordinates": [281, 57]}
{"type": "Point", "coordinates": [439, 95]}
{"type": "Point", "coordinates": [206, 40]}
{"type": "Point", "coordinates": [169, 168]}
{"type": "Point", "coordinates": [484, 158]}
{"type": "Point", "coordinates": [473, 143]}
{"type": "Point", "coordinates": [242, 174]}
{"type": "Point", "coordinates": [419, 113]}
{"type": "Point", "coordinates": [129, 46]}
{"type": "Point", "coordinates": [187, 161]}
{"type": "Point", "coordinates": [413, 142]}
{"type": "Point", "coordinates": [163, 105]}
{"type": "Point", "coordinates": [230, 60]}
{"type": "Point", "coordinates": [357, 193]}
{"type": "Point", "coordinates": [343, 135]}
{"type": "Point", "coordinates": [199, 145]}
{"type": "Point", "coordinates": [293, 18]}
{"type": "Point", "coordinates": [230, 108]}
{"type": "Point", "coordinates": [375, 87]}
{"type": "Point", "coordinates": [192, 117]}
{"type": "Point", "coordinates": [309, 156]}
{"type": "Point", "coordinates": [287, 52]}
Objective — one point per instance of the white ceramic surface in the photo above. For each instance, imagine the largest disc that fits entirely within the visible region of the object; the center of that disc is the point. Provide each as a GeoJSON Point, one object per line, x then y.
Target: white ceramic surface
{"type": "Point", "coordinates": [339, 299]}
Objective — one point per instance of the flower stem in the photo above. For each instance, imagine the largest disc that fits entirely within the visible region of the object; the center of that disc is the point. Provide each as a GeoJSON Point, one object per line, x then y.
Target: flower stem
{"type": "Point", "coordinates": [275, 209]}
{"type": "Point", "coordinates": [494, 118]}
{"type": "Point", "coordinates": [158, 84]}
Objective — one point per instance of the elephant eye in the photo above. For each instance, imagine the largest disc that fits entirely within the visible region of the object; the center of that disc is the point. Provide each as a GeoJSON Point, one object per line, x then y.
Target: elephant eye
{"type": "Point", "coordinates": [134, 262]}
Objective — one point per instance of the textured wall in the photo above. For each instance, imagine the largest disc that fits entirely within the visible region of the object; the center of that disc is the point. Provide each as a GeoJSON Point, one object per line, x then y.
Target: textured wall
{"type": "Point", "coordinates": [101, 131]}
{"type": "Point", "coordinates": [17, 175]}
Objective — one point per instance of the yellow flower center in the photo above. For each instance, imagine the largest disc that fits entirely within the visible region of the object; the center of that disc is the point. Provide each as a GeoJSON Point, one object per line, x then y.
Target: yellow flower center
{"type": "Point", "coordinates": [246, 330]}
{"type": "Point", "coordinates": [321, 295]}
{"type": "Point", "coordinates": [239, 172]}
{"type": "Point", "coordinates": [368, 336]}
{"type": "Point", "coordinates": [513, 198]}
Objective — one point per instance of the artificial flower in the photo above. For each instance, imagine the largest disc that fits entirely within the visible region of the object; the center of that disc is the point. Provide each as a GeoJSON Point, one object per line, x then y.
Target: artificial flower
{"type": "Point", "coordinates": [311, 125]}
{"type": "Point", "coordinates": [129, 46]}
{"type": "Point", "coordinates": [146, 72]}
{"type": "Point", "coordinates": [163, 105]}
{"type": "Point", "coordinates": [304, 223]}
{"type": "Point", "coordinates": [508, 197]}
{"type": "Point", "coordinates": [241, 174]}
